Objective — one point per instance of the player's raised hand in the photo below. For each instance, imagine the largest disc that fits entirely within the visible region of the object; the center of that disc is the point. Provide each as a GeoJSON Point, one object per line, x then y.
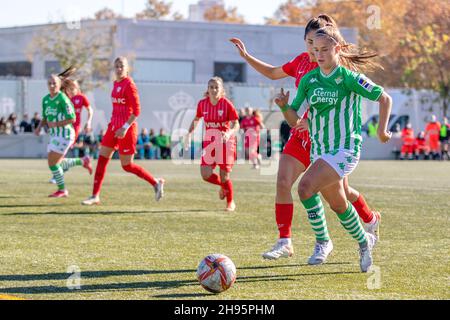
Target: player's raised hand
{"type": "Point", "coordinates": [384, 136]}
{"type": "Point", "coordinates": [240, 46]}
{"type": "Point", "coordinates": [282, 99]}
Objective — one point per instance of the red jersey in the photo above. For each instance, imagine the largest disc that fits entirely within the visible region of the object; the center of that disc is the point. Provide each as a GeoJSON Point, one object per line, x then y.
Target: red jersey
{"type": "Point", "coordinates": [297, 68]}
{"type": "Point", "coordinates": [79, 101]}
{"type": "Point", "coordinates": [216, 117]}
{"type": "Point", "coordinates": [125, 100]}
{"type": "Point", "coordinates": [408, 136]}
{"type": "Point", "coordinates": [251, 123]}
{"type": "Point", "coordinates": [433, 130]}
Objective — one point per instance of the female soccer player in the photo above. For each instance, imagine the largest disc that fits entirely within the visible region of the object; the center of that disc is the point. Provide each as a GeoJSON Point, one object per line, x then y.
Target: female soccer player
{"type": "Point", "coordinates": [79, 101]}
{"type": "Point", "coordinates": [122, 134]}
{"type": "Point", "coordinates": [296, 157]}
{"type": "Point", "coordinates": [333, 94]}
{"type": "Point", "coordinates": [219, 141]}
{"type": "Point", "coordinates": [252, 124]}
{"type": "Point", "coordinates": [58, 113]}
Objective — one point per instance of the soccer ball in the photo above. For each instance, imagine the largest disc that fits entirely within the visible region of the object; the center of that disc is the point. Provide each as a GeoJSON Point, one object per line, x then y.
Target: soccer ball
{"type": "Point", "coordinates": [216, 273]}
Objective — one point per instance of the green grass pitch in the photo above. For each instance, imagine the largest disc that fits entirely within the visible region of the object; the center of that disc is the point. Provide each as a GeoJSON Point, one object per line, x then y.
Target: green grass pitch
{"type": "Point", "coordinates": [133, 248]}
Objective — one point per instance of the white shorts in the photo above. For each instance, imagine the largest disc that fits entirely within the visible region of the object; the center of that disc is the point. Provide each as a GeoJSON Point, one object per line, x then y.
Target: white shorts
{"type": "Point", "coordinates": [59, 145]}
{"type": "Point", "coordinates": [343, 161]}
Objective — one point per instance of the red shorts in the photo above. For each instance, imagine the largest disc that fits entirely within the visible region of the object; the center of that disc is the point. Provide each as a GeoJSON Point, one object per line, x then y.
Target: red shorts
{"type": "Point", "coordinates": [299, 149]}
{"type": "Point", "coordinates": [127, 145]}
{"type": "Point", "coordinates": [219, 154]}
{"type": "Point", "coordinates": [434, 145]}
{"type": "Point", "coordinates": [407, 148]}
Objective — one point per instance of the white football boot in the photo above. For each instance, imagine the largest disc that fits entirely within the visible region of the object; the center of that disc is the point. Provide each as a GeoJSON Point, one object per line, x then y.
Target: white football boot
{"type": "Point", "coordinates": [91, 201]}
{"type": "Point", "coordinates": [322, 249]}
{"type": "Point", "coordinates": [365, 253]}
{"type": "Point", "coordinates": [159, 189]}
{"type": "Point", "coordinates": [282, 249]}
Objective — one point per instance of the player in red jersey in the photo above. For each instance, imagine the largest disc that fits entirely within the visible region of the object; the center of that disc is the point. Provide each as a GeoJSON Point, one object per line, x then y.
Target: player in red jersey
{"type": "Point", "coordinates": [219, 141]}
{"type": "Point", "coordinates": [80, 102]}
{"type": "Point", "coordinates": [408, 140]}
{"type": "Point", "coordinates": [122, 133]}
{"type": "Point", "coordinates": [251, 124]}
{"type": "Point", "coordinates": [296, 154]}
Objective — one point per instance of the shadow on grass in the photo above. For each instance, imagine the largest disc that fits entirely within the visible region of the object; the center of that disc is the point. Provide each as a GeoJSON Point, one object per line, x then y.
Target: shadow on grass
{"type": "Point", "coordinates": [139, 285]}
{"type": "Point", "coordinates": [183, 295]}
{"type": "Point", "coordinates": [112, 212]}
{"type": "Point", "coordinates": [119, 273]}
{"type": "Point", "coordinates": [31, 205]}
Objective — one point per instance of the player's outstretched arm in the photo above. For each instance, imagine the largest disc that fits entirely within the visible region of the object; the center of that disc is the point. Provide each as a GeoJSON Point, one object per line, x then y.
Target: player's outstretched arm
{"type": "Point", "coordinates": [267, 70]}
{"type": "Point", "coordinates": [385, 102]}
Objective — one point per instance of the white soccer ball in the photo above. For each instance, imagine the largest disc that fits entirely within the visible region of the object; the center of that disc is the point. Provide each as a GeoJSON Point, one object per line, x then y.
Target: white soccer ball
{"type": "Point", "coordinates": [216, 273]}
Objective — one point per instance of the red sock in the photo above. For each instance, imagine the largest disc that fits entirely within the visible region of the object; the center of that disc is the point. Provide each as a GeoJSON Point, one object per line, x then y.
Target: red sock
{"type": "Point", "coordinates": [364, 212]}
{"type": "Point", "coordinates": [284, 214]}
{"type": "Point", "coordinates": [214, 179]}
{"type": "Point", "coordinates": [140, 172]}
{"type": "Point", "coordinates": [228, 188]}
{"type": "Point", "coordinates": [100, 174]}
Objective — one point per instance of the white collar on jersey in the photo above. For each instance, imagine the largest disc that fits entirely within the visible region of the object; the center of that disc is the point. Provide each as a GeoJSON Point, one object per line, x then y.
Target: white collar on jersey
{"type": "Point", "coordinates": [331, 73]}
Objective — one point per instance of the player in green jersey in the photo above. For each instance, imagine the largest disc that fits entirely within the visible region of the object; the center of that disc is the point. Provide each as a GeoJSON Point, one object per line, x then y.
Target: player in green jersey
{"type": "Point", "coordinates": [333, 94]}
{"type": "Point", "coordinates": [58, 114]}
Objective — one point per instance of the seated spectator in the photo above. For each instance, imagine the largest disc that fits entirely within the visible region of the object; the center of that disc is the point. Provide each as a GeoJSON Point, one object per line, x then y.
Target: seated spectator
{"type": "Point", "coordinates": [35, 121]}
{"type": "Point", "coordinates": [143, 144]}
{"type": "Point", "coordinates": [91, 144]}
{"type": "Point", "coordinates": [2, 125]}
{"type": "Point", "coordinates": [163, 142]}
{"type": "Point", "coordinates": [408, 142]}
{"type": "Point", "coordinates": [14, 126]}
{"type": "Point", "coordinates": [78, 146]}
{"type": "Point", "coordinates": [25, 124]}
{"type": "Point", "coordinates": [420, 146]}
{"type": "Point", "coordinates": [155, 152]}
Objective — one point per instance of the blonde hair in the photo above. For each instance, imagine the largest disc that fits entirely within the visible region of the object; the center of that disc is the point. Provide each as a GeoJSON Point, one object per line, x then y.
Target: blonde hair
{"type": "Point", "coordinates": [351, 56]}
{"type": "Point", "coordinates": [124, 61]}
{"type": "Point", "coordinates": [219, 81]}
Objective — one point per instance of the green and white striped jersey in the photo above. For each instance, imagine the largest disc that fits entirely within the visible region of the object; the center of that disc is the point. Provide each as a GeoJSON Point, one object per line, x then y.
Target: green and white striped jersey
{"type": "Point", "coordinates": [59, 108]}
{"type": "Point", "coordinates": [334, 102]}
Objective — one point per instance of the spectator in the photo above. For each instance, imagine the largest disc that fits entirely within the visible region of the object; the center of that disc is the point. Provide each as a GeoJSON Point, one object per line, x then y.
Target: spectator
{"type": "Point", "coordinates": [444, 139]}
{"type": "Point", "coordinates": [35, 121]}
{"type": "Point", "coordinates": [12, 124]}
{"type": "Point", "coordinates": [143, 144]}
{"type": "Point", "coordinates": [78, 146]}
{"type": "Point", "coordinates": [420, 146]}
{"type": "Point", "coordinates": [372, 128]}
{"type": "Point", "coordinates": [91, 145]}
{"type": "Point", "coordinates": [2, 125]}
{"type": "Point", "coordinates": [432, 134]}
{"type": "Point", "coordinates": [241, 115]}
{"type": "Point", "coordinates": [100, 136]}
{"type": "Point", "coordinates": [155, 152]}
{"type": "Point", "coordinates": [25, 125]}
{"type": "Point", "coordinates": [163, 142]}
{"type": "Point", "coordinates": [408, 142]}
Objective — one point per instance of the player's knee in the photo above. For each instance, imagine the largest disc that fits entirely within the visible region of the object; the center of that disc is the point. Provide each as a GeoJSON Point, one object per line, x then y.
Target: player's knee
{"type": "Point", "coordinates": [284, 184]}
{"type": "Point", "coordinates": [305, 189]}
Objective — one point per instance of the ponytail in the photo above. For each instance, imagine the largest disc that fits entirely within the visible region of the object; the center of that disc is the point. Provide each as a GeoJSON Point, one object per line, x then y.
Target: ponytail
{"type": "Point", "coordinates": [351, 56]}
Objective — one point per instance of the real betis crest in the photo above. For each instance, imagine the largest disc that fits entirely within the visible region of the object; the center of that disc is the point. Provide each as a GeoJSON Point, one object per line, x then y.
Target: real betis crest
{"type": "Point", "coordinates": [339, 80]}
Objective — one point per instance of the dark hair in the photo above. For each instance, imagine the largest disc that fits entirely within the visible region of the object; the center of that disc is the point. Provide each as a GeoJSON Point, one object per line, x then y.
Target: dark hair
{"type": "Point", "coordinates": [351, 56]}
{"type": "Point", "coordinates": [66, 83]}
{"type": "Point", "coordinates": [318, 22]}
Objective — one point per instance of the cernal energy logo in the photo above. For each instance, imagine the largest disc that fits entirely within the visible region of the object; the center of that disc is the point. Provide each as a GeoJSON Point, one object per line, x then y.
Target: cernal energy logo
{"type": "Point", "coordinates": [324, 96]}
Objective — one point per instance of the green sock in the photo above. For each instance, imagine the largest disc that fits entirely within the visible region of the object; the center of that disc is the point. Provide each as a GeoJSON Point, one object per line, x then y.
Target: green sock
{"type": "Point", "coordinates": [316, 217]}
{"type": "Point", "coordinates": [58, 174]}
{"type": "Point", "coordinates": [66, 164]}
{"type": "Point", "coordinates": [350, 221]}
